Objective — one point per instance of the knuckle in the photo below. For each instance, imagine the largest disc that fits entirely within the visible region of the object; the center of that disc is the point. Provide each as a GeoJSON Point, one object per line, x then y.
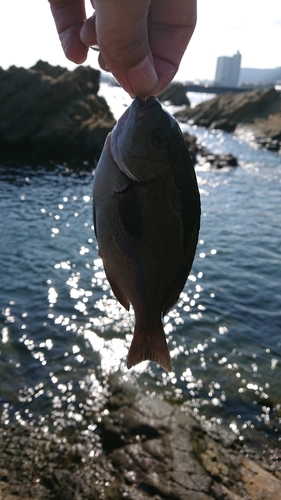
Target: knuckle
{"type": "Point", "coordinates": [126, 50]}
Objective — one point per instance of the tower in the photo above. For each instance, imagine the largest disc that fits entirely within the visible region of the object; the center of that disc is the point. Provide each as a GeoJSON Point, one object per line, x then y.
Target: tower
{"type": "Point", "coordinates": [227, 71]}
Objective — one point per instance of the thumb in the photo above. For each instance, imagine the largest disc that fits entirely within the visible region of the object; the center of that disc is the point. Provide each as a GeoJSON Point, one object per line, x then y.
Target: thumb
{"type": "Point", "coordinates": [119, 28]}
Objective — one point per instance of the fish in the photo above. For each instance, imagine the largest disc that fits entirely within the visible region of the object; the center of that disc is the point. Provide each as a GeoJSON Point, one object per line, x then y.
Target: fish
{"type": "Point", "coordinates": [146, 207]}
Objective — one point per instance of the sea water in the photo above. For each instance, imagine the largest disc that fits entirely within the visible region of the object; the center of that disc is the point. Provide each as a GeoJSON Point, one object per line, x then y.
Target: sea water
{"type": "Point", "coordinates": [62, 332]}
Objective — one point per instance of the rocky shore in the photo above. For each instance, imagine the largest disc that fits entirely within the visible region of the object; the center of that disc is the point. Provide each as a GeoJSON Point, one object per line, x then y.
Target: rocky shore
{"type": "Point", "coordinates": [51, 113]}
{"type": "Point", "coordinates": [143, 448]}
{"type": "Point", "coordinates": [258, 111]}
{"type": "Point", "coordinates": [136, 447]}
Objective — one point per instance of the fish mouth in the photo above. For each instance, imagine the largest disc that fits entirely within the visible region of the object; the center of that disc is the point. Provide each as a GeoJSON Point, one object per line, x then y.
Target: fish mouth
{"type": "Point", "coordinates": [144, 107]}
{"type": "Point", "coordinates": [131, 135]}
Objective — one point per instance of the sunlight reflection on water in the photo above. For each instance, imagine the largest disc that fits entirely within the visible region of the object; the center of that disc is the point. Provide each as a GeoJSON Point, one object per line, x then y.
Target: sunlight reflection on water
{"type": "Point", "coordinates": [63, 333]}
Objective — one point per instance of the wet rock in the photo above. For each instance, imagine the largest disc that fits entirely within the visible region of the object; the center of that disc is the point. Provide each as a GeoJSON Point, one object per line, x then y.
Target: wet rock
{"type": "Point", "coordinates": [218, 161]}
{"type": "Point", "coordinates": [243, 107]}
{"type": "Point", "coordinates": [202, 156]}
{"type": "Point", "coordinates": [182, 115]}
{"type": "Point", "coordinates": [259, 109]}
{"type": "Point", "coordinates": [175, 93]}
{"type": "Point", "coordinates": [149, 444]}
{"type": "Point", "coordinates": [145, 448]}
{"type": "Point", "coordinates": [268, 143]}
{"type": "Point", "coordinates": [259, 483]}
{"type": "Point", "coordinates": [224, 124]}
{"type": "Point", "coordinates": [267, 131]}
{"type": "Point", "coordinates": [52, 111]}
{"type": "Point", "coordinates": [156, 451]}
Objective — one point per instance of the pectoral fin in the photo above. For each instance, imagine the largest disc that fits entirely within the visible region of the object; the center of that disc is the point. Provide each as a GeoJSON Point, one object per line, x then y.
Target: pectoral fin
{"type": "Point", "coordinates": [120, 296]}
{"type": "Point", "coordinates": [179, 283]}
{"type": "Point", "coordinates": [129, 211]}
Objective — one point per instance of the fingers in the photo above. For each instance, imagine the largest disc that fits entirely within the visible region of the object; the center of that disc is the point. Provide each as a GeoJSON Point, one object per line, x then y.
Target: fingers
{"type": "Point", "coordinates": [171, 24]}
{"type": "Point", "coordinates": [121, 32]}
{"type": "Point", "coordinates": [69, 16]}
{"type": "Point", "coordinates": [88, 32]}
{"type": "Point", "coordinates": [141, 42]}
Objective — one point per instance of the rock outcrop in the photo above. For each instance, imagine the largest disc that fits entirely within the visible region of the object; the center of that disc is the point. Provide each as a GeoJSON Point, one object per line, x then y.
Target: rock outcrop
{"type": "Point", "coordinates": [259, 109]}
{"type": "Point", "coordinates": [202, 157]}
{"type": "Point", "coordinates": [51, 111]}
{"type": "Point", "coordinates": [267, 131]}
{"type": "Point", "coordinates": [145, 449]}
{"type": "Point", "coordinates": [175, 93]}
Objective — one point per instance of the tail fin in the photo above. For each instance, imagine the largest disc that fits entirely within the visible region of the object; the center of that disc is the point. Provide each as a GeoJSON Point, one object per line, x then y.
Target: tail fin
{"type": "Point", "coordinates": [152, 346]}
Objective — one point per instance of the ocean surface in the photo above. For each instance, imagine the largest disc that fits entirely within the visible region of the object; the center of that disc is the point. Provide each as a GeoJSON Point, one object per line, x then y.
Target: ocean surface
{"type": "Point", "coordinates": [62, 332]}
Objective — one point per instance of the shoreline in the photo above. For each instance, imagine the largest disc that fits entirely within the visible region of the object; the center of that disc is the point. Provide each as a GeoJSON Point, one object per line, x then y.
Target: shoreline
{"type": "Point", "coordinates": [52, 113]}
{"type": "Point", "coordinates": [136, 446]}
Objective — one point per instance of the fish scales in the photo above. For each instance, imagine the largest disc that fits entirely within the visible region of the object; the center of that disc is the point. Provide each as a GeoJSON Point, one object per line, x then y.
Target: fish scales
{"type": "Point", "coordinates": [146, 219]}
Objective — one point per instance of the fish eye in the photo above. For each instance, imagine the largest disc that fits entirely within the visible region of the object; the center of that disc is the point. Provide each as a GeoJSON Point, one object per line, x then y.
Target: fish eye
{"type": "Point", "coordinates": [159, 139]}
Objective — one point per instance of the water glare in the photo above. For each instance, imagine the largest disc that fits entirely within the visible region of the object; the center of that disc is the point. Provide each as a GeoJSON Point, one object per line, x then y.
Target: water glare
{"type": "Point", "coordinates": [63, 333]}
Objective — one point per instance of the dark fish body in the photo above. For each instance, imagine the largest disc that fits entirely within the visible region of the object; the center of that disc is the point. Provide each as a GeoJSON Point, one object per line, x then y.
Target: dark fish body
{"type": "Point", "coordinates": [147, 219]}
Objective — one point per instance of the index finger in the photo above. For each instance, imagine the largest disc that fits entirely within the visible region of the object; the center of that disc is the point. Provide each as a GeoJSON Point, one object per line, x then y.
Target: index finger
{"type": "Point", "coordinates": [69, 17]}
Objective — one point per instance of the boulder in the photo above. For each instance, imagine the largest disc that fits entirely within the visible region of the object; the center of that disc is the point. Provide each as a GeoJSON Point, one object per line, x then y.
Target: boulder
{"type": "Point", "coordinates": [149, 443]}
{"type": "Point", "coordinates": [217, 161]}
{"type": "Point", "coordinates": [175, 93]}
{"type": "Point", "coordinates": [51, 111]}
{"type": "Point", "coordinates": [137, 447]}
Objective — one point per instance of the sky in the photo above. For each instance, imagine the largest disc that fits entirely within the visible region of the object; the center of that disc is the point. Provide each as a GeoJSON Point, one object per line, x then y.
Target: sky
{"type": "Point", "coordinates": [28, 33]}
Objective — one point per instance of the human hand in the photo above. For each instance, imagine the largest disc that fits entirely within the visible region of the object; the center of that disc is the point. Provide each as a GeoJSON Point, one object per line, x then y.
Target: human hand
{"type": "Point", "coordinates": [140, 41]}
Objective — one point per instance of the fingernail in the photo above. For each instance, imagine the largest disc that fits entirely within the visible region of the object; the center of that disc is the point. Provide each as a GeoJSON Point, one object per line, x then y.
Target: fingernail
{"type": "Point", "coordinates": [143, 78]}
{"type": "Point", "coordinates": [95, 47]}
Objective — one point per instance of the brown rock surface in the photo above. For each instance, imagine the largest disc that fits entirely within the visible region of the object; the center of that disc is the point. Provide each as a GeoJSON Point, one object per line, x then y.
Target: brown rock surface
{"type": "Point", "coordinates": [204, 158]}
{"type": "Point", "coordinates": [267, 131]}
{"type": "Point", "coordinates": [259, 110]}
{"type": "Point", "coordinates": [175, 93]}
{"type": "Point", "coordinates": [243, 107]}
{"type": "Point", "coordinates": [259, 483]}
{"type": "Point", "coordinates": [50, 110]}
{"type": "Point", "coordinates": [145, 449]}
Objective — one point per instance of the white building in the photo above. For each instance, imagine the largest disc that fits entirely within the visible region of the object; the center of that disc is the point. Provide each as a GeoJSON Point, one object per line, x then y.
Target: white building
{"type": "Point", "coordinates": [228, 70]}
